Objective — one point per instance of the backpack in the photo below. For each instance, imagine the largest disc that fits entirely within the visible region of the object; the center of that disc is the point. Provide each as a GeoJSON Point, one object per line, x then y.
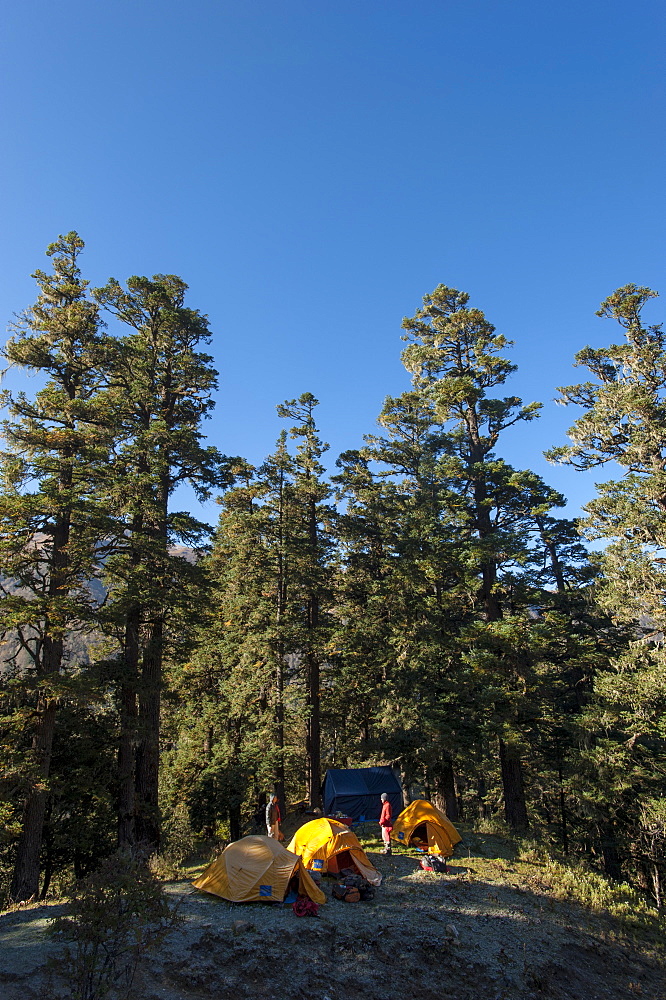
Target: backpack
{"type": "Point", "coordinates": [433, 863]}
{"type": "Point", "coordinates": [353, 880]}
{"type": "Point", "coordinates": [347, 893]}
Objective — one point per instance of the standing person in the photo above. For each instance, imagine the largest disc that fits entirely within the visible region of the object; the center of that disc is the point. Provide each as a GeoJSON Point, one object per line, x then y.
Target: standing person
{"type": "Point", "coordinates": [273, 817]}
{"type": "Point", "coordinates": [386, 822]}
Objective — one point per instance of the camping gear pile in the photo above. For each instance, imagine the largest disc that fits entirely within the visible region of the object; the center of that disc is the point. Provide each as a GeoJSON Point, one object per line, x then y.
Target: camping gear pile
{"type": "Point", "coordinates": [352, 887]}
{"type": "Point", "coordinates": [304, 907]}
{"type": "Point", "coordinates": [342, 818]}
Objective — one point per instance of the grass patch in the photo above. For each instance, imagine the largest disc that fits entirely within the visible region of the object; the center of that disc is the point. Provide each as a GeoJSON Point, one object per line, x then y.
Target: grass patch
{"type": "Point", "coordinates": [596, 893]}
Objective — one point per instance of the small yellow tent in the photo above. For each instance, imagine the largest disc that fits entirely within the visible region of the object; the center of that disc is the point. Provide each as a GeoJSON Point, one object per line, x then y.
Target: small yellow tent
{"type": "Point", "coordinates": [256, 868]}
{"type": "Point", "coordinates": [420, 822]}
{"type": "Point", "coordinates": [328, 846]}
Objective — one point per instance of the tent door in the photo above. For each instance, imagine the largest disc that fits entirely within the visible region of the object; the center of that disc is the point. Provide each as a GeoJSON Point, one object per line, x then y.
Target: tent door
{"type": "Point", "coordinates": [419, 837]}
{"type": "Point", "coordinates": [340, 861]}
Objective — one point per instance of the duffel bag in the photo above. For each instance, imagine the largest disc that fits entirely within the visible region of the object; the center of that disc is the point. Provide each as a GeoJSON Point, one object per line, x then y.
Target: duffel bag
{"type": "Point", "coordinates": [347, 893]}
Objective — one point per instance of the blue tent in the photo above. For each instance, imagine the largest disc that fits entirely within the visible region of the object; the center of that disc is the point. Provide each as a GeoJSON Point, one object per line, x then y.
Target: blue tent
{"type": "Point", "coordinates": [356, 792]}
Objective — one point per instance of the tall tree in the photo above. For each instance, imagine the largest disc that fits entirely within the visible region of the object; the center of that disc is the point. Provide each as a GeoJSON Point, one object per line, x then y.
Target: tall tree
{"type": "Point", "coordinates": [399, 588]}
{"type": "Point", "coordinates": [165, 384]}
{"type": "Point", "coordinates": [245, 646]}
{"type": "Point", "coordinates": [263, 646]}
{"type": "Point", "coordinates": [311, 551]}
{"type": "Point", "coordinates": [477, 513]}
{"type": "Point", "coordinates": [49, 513]}
{"type": "Point", "coordinates": [624, 422]}
{"type": "Point", "coordinates": [454, 357]}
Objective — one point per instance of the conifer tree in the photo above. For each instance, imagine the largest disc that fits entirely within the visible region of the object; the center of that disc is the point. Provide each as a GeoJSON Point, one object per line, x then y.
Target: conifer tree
{"type": "Point", "coordinates": [51, 522]}
{"type": "Point", "coordinates": [246, 642]}
{"type": "Point", "coordinates": [399, 591]}
{"type": "Point", "coordinates": [470, 521]}
{"type": "Point", "coordinates": [264, 640]}
{"type": "Point", "coordinates": [311, 547]}
{"type": "Point", "coordinates": [624, 422]}
{"type": "Point", "coordinates": [454, 358]}
{"type": "Point", "coordinates": [164, 385]}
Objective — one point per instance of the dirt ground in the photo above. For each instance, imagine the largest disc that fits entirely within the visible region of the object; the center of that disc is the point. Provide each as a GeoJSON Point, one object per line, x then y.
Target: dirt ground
{"type": "Point", "coordinates": [488, 930]}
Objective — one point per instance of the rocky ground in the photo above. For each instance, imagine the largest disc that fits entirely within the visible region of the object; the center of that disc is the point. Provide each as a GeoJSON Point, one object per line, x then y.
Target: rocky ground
{"type": "Point", "coordinates": [491, 929]}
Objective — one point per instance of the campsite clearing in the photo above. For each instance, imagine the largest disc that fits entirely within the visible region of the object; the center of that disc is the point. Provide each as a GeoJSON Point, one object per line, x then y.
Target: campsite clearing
{"type": "Point", "coordinates": [494, 928]}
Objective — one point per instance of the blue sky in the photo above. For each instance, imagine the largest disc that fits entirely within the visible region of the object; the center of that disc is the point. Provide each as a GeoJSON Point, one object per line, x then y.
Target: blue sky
{"type": "Point", "coordinates": [312, 169]}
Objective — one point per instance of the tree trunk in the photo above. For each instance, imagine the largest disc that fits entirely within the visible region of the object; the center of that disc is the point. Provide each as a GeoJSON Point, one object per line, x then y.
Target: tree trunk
{"type": "Point", "coordinates": [444, 796]}
{"type": "Point", "coordinates": [47, 849]}
{"type": "Point", "coordinates": [404, 783]}
{"type": "Point", "coordinates": [481, 792]}
{"type": "Point", "coordinates": [235, 821]}
{"type": "Point", "coordinates": [551, 549]}
{"type": "Point", "coordinates": [25, 878]}
{"type": "Point", "coordinates": [313, 743]}
{"type": "Point", "coordinates": [459, 800]}
{"type": "Point", "coordinates": [609, 851]}
{"type": "Point", "coordinates": [260, 811]}
{"type": "Point", "coordinates": [148, 749]}
{"type": "Point", "coordinates": [128, 723]}
{"type": "Point", "coordinates": [515, 808]}
{"type": "Point", "coordinates": [279, 727]}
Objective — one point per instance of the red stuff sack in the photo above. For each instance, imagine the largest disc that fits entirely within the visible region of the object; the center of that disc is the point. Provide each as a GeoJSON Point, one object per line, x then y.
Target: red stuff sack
{"type": "Point", "coordinates": [304, 907]}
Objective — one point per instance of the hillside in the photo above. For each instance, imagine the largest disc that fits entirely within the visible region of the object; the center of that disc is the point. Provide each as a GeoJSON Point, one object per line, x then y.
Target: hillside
{"type": "Point", "coordinates": [497, 927]}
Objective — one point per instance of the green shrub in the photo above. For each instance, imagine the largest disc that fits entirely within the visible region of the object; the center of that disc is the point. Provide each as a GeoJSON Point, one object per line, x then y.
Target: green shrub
{"type": "Point", "coordinates": [116, 915]}
{"type": "Point", "coordinates": [179, 843]}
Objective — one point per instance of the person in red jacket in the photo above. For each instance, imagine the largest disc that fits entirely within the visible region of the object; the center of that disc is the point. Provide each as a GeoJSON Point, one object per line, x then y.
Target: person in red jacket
{"type": "Point", "coordinates": [386, 822]}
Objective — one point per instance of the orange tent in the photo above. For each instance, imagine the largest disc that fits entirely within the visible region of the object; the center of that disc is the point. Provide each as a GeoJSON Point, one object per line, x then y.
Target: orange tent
{"type": "Point", "coordinates": [422, 822]}
{"type": "Point", "coordinates": [328, 846]}
{"type": "Point", "coordinates": [256, 868]}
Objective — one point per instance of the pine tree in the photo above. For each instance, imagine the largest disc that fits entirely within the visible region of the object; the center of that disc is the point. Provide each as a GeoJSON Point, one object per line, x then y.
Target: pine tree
{"type": "Point", "coordinates": [311, 545]}
{"type": "Point", "coordinates": [50, 516]}
{"type": "Point", "coordinates": [454, 359]}
{"type": "Point", "coordinates": [624, 422]}
{"type": "Point", "coordinates": [164, 385]}
{"type": "Point", "coordinates": [399, 588]}
{"type": "Point", "coordinates": [244, 647]}
{"type": "Point", "coordinates": [468, 522]}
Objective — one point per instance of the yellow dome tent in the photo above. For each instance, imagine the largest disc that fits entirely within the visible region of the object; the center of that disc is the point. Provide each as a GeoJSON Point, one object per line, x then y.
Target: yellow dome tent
{"type": "Point", "coordinates": [256, 869]}
{"type": "Point", "coordinates": [421, 824]}
{"type": "Point", "coordinates": [328, 846]}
